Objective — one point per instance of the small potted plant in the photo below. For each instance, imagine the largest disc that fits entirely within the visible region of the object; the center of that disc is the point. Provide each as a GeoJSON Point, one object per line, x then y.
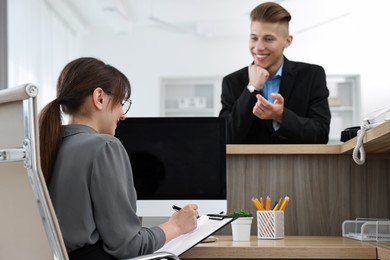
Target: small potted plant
{"type": "Point", "coordinates": [241, 226]}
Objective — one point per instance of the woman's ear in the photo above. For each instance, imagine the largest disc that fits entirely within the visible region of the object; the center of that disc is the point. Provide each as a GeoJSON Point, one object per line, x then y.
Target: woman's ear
{"type": "Point", "coordinates": [98, 98]}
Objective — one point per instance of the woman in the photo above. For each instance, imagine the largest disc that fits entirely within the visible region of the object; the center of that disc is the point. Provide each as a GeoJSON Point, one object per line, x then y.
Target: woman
{"type": "Point", "coordinates": [88, 171]}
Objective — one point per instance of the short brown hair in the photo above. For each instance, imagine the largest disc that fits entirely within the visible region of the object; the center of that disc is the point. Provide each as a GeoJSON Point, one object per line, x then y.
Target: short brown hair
{"type": "Point", "coordinates": [270, 12]}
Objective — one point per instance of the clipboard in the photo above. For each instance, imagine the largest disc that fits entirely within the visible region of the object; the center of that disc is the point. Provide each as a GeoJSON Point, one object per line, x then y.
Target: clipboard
{"type": "Point", "coordinates": [206, 226]}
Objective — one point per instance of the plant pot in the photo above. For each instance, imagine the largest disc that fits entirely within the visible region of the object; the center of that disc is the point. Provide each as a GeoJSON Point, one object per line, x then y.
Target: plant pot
{"type": "Point", "coordinates": [241, 228]}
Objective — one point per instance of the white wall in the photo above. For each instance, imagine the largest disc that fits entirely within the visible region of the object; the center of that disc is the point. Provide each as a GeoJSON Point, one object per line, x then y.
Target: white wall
{"type": "Point", "coordinates": [39, 46]}
{"type": "Point", "coordinates": [356, 43]}
{"type": "Point", "coordinates": [147, 55]}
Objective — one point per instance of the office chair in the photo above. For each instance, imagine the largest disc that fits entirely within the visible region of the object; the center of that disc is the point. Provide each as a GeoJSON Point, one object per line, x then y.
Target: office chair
{"type": "Point", "coordinates": [28, 225]}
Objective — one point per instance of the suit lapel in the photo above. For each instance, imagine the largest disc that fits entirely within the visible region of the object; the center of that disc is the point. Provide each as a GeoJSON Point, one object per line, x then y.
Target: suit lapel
{"type": "Point", "coordinates": [288, 78]}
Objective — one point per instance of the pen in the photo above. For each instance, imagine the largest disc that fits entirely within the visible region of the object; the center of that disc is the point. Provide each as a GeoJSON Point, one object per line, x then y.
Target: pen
{"type": "Point", "coordinates": [275, 204]}
{"type": "Point", "coordinates": [177, 208]}
{"type": "Point", "coordinates": [217, 216]}
{"type": "Point", "coordinates": [277, 207]}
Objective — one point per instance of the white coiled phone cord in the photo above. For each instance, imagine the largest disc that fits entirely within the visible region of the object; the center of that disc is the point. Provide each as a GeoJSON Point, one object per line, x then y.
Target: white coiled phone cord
{"type": "Point", "coordinates": [370, 121]}
{"type": "Point", "coordinates": [359, 143]}
{"type": "Point", "coordinates": [359, 147]}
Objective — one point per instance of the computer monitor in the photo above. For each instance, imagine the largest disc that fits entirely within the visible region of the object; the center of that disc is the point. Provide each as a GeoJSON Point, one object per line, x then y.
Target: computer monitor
{"type": "Point", "coordinates": [176, 161]}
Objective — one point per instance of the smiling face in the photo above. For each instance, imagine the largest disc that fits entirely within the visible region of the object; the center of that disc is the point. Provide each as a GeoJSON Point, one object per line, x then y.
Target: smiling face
{"type": "Point", "coordinates": [267, 43]}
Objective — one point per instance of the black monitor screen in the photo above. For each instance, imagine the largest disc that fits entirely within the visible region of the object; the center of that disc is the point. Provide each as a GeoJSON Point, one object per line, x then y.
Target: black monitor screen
{"type": "Point", "coordinates": [176, 157]}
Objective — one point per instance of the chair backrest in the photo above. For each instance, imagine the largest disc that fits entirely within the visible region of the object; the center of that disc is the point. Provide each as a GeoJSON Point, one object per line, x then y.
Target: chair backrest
{"type": "Point", "coordinates": [28, 225]}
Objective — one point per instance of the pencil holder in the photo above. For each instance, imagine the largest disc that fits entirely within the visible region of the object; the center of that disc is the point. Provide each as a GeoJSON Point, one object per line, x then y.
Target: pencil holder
{"type": "Point", "coordinates": [270, 224]}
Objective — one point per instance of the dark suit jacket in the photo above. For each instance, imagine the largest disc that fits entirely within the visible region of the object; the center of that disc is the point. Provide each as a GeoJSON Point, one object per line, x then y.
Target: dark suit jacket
{"type": "Point", "coordinates": [306, 115]}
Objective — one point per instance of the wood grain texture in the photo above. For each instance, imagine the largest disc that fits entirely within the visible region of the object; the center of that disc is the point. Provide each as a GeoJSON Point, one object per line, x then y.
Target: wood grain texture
{"type": "Point", "coordinates": [383, 250]}
{"type": "Point", "coordinates": [302, 247]}
{"type": "Point", "coordinates": [377, 140]}
{"type": "Point", "coordinates": [283, 149]}
{"type": "Point", "coordinates": [325, 190]}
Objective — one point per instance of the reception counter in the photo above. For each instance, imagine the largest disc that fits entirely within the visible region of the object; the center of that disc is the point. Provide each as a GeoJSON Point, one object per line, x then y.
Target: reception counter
{"type": "Point", "coordinates": [325, 185]}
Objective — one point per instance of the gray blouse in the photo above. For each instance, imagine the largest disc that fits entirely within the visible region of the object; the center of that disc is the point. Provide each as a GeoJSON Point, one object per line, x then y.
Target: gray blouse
{"type": "Point", "coordinates": [94, 198]}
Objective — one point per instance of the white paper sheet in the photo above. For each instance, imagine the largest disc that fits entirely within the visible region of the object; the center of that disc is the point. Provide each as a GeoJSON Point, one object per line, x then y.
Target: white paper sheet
{"type": "Point", "coordinates": [206, 227]}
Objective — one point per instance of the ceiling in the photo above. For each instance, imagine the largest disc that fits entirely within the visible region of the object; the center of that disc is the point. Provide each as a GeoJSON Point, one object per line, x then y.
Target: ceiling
{"type": "Point", "coordinates": [211, 18]}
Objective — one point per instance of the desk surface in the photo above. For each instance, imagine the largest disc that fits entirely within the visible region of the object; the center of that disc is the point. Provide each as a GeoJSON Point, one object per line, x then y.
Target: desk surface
{"type": "Point", "coordinates": [298, 247]}
{"type": "Point", "coordinates": [383, 249]}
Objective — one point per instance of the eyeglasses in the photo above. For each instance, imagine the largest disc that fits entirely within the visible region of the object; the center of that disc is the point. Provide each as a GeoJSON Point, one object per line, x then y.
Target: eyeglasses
{"type": "Point", "coordinates": [126, 104]}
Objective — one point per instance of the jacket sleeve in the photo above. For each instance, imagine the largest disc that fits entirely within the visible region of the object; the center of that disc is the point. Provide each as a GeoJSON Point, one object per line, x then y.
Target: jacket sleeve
{"type": "Point", "coordinates": [237, 112]}
{"type": "Point", "coordinates": [114, 201]}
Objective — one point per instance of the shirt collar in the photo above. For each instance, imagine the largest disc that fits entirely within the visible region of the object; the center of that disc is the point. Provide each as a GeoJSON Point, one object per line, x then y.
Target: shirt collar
{"type": "Point", "coordinates": [73, 129]}
{"type": "Point", "coordinates": [278, 73]}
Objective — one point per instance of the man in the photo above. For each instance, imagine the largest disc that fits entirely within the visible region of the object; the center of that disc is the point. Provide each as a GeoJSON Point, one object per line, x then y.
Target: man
{"type": "Point", "coordinates": [274, 100]}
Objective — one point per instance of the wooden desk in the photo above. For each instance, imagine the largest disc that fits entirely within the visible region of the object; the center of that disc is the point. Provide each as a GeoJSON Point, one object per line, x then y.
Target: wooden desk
{"type": "Point", "coordinates": [325, 185]}
{"type": "Point", "coordinates": [298, 247]}
{"type": "Point", "coordinates": [383, 250]}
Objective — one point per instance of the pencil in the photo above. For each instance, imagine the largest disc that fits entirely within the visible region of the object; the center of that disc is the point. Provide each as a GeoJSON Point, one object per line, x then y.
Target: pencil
{"type": "Point", "coordinates": [285, 202]}
{"type": "Point", "coordinates": [268, 203]}
{"type": "Point", "coordinates": [257, 204]}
